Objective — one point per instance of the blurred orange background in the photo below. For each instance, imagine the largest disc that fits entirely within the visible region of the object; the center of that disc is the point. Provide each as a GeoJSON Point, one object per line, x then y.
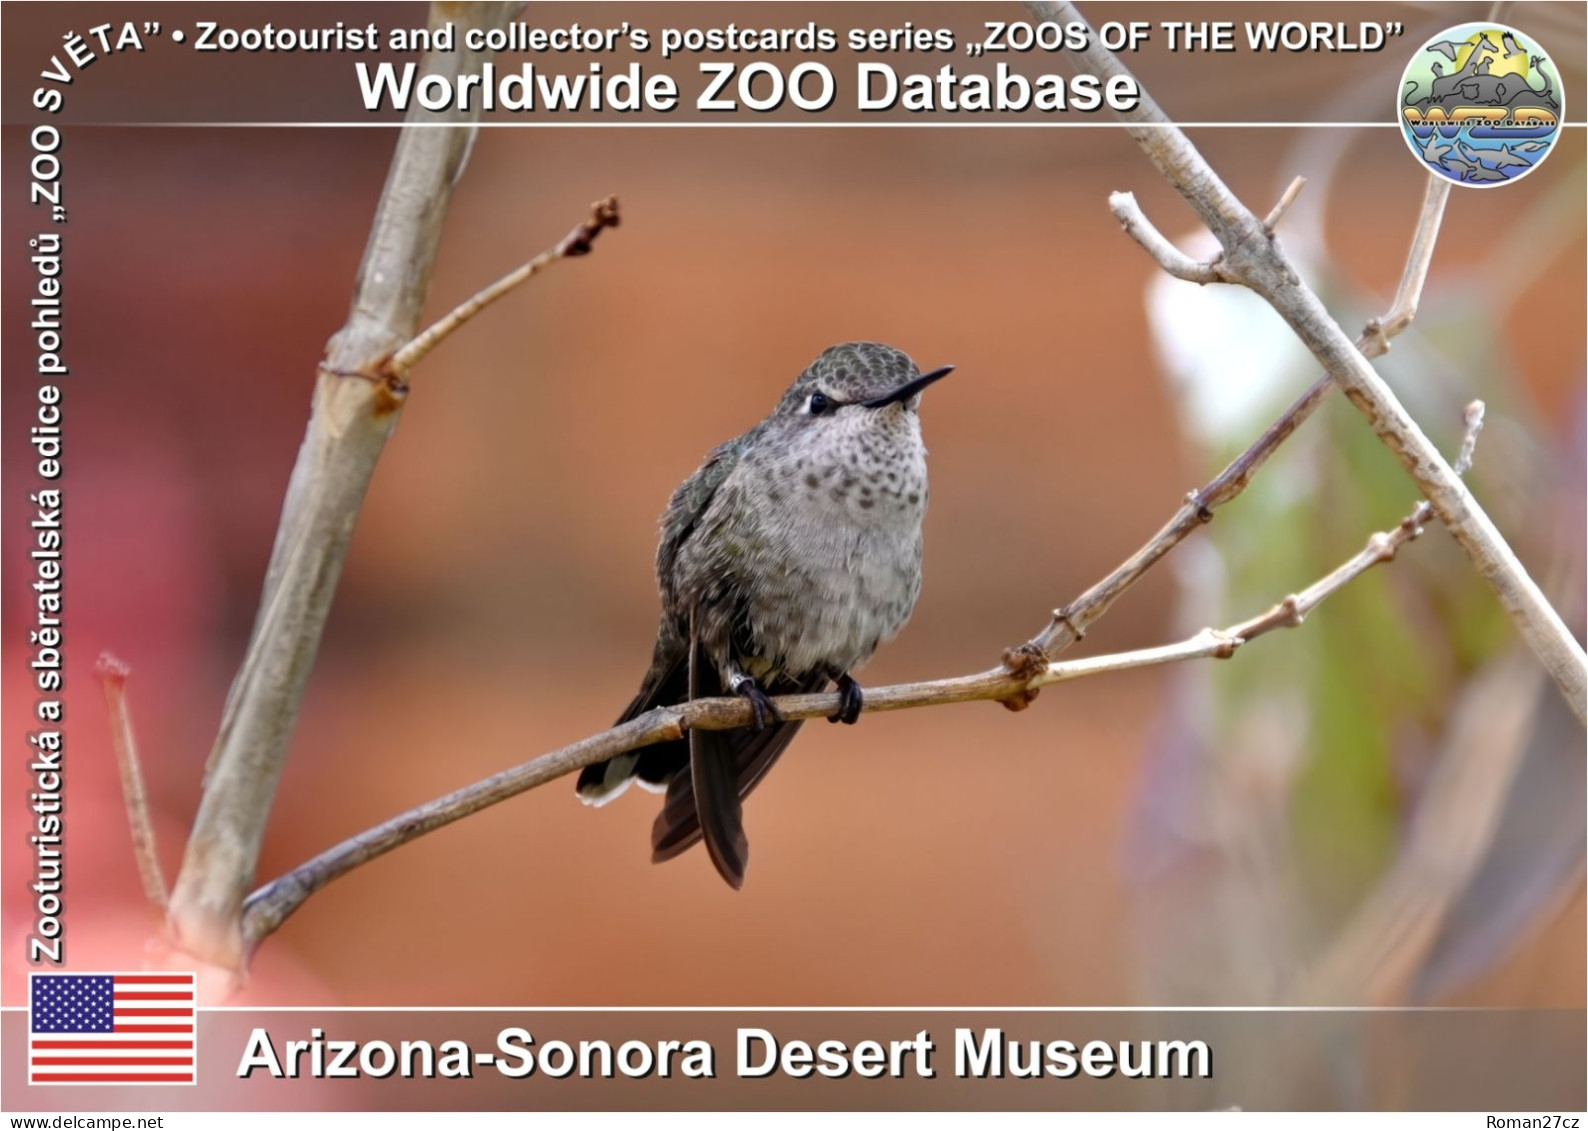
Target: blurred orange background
{"type": "Point", "coordinates": [499, 599]}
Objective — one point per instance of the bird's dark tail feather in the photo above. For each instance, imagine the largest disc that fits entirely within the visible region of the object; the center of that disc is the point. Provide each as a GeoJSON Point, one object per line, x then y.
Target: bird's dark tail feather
{"type": "Point", "coordinates": [749, 752]}
{"type": "Point", "coordinates": [717, 807]}
{"type": "Point", "coordinates": [736, 761]}
{"type": "Point", "coordinates": [720, 816]}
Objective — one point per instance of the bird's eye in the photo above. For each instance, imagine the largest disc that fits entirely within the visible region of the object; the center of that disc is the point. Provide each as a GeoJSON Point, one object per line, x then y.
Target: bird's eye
{"type": "Point", "coordinates": [819, 404]}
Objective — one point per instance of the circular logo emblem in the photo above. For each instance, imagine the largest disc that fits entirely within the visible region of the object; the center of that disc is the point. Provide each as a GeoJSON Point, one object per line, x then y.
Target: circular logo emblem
{"type": "Point", "coordinates": [1481, 104]}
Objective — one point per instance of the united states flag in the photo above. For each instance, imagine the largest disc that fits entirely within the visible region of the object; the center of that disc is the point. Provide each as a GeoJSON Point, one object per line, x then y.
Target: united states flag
{"type": "Point", "coordinates": [111, 1029]}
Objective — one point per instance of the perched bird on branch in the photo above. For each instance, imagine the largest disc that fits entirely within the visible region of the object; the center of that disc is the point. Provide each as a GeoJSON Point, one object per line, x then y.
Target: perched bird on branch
{"type": "Point", "coordinates": [785, 560]}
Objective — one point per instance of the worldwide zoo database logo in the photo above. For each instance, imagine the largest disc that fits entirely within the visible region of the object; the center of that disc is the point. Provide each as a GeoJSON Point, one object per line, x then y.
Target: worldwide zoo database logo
{"type": "Point", "coordinates": [1481, 104]}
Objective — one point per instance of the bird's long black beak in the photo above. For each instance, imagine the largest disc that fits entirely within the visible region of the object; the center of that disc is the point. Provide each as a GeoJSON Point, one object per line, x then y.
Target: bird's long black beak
{"type": "Point", "coordinates": [907, 390]}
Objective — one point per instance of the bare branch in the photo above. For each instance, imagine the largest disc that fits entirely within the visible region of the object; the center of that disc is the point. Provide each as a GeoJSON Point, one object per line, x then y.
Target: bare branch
{"type": "Point", "coordinates": [1069, 623]}
{"type": "Point", "coordinates": [603, 214]}
{"type": "Point", "coordinates": [1473, 422]}
{"type": "Point", "coordinates": [113, 678]}
{"type": "Point", "coordinates": [1282, 205]}
{"type": "Point", "coordinates": [1021, 676]}
{"type": "Point", "coordinates": [1169, 257]}
{"type": "Point", "coordinates": [1252, 257]}
{"type": "Point", "coordinates": [360, 392]}
{"type": "Point", "coordinates": [355, 407]}
{"type": "Point", "coordinates": [1375, 341]}
{"type": "Point", "coordinates": [267, 908]}
{"type": "Point", "coordinates": [1381, 547]}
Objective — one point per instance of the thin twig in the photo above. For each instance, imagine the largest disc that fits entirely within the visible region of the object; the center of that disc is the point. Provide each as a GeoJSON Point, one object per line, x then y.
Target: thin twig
{"type": "Point", "coordinates": [355, 409]}
{"type": "Point", "coordinates": [1392, 931]}
{"type": "Point", "coordinates": [1376, 340]}
{"type": "Point", "coordinates": [1253, 257]}
{"type": "Point", "coordinates": [113, 678]}
{"type": "Point", "coordinates": [1070, 623]}
{"type": "Point", "coordinates": [1286, 199]}
{"type": "Point", "coordinates": [1172, 259]}
{"type": "Point", "coordinates": [270, 906]}
{"type": "Point", "coordinates": [603, 215]}
{"type": "Point", "coordinates": [1169, 257]}
{"type": "Point", "coordinates": [1381, 547]}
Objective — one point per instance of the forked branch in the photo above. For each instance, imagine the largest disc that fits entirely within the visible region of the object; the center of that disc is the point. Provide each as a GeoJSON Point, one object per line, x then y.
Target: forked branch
{"type": "Point", "coordinates": [603, 215]}
{"type": "Point", "coordinates": [270, 906]}
{"type": "Point", "coordinates": [1070, 623]}
{"type": "Point", "coordinates": [358, 396]}
{"type": "Point", "coordinates": [1252, 257]}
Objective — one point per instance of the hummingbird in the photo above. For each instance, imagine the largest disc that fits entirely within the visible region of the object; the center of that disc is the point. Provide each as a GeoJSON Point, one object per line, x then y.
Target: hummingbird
{"type": "Point", "coordinates": [785, 560]}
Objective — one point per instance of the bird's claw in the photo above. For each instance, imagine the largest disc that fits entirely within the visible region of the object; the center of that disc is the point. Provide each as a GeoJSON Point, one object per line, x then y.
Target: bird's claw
{"type": "Point", "coordinates": [761, 708]}
{"type": "Point", "coordinates": [851, 699]}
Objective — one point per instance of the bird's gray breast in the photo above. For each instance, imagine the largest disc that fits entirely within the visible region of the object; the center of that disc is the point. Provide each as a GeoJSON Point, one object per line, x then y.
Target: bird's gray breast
{"type": "Point", "coordinates": [839, 567]}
